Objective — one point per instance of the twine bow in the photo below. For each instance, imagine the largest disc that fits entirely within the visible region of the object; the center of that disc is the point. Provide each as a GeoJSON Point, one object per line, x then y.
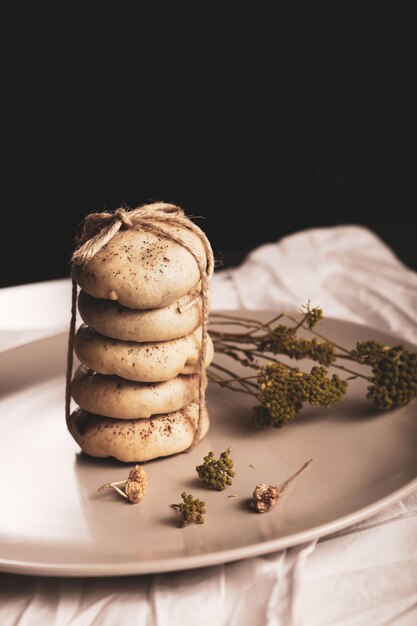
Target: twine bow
{"type": "Point", "coordinates": [97, 229]}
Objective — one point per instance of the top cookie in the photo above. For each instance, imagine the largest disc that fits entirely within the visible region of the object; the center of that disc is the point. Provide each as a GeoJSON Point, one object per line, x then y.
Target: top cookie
{"type": "Point", "coordinates": [142, 270]}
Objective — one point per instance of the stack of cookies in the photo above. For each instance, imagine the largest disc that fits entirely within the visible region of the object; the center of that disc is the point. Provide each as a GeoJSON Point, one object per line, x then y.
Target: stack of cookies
{"type": "Point", "coordinates": [138, 383]}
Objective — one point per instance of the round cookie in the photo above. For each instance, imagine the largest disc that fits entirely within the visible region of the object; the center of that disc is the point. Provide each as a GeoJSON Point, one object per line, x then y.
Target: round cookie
{"type": "Point", "coordinates": [124, 399]}
{"type": "Point", "coordinates": [142, 270]}
{"type": "Point", "coordinates": [144, 362]}
{"type": "Point", "coordinates": [136, 441]}
{"type": "Point", "coordinates": [119, 322]}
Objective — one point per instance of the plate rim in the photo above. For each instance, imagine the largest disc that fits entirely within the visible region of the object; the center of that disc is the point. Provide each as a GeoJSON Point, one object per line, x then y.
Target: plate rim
{"type": "Point", "coordinates": [123, 568]}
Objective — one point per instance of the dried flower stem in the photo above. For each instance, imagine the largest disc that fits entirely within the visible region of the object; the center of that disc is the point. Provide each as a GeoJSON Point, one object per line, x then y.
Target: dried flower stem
{"type": "Point", "coordinates": [314, 332]}
{"type": "Point", "coordinates": [222, 346]}
{"type": "Point", "coordinates": [294, 476]}
{"type": "Point", "coordinates": [224, 369]}
{"type": "Point", "coordinates": [229, 384]}
{"type": "Point", "coordinates": [114, 486]}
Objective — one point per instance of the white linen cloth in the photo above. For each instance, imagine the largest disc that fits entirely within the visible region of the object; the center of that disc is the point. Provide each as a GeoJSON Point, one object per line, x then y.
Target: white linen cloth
{"type": "Point", "coordinates": [364, 575]}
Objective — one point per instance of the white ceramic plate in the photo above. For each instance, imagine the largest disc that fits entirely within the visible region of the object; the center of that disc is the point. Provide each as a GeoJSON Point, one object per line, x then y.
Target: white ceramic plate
{"type": "Point", "coordinates": [53, 522]}
{"type": "Point", "coordinates": [34, 311]}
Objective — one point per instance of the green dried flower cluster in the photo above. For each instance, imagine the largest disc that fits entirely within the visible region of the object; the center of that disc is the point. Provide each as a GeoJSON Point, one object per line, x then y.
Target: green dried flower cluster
{"type": "Point", "coordinates": [370, 352]}
{"type": "Point", "coordinates": [217, 473]}
{"type": "Point", "coordinates": [191, 510]}
{"type": "Point", "coordinates": [311, 316]}
{"type": "Point", "coordinates": [394, 373]}
{"type": "Point", "coordinates": [283, 392]}
{"type": "Point", "coordinates": [323, 389]}
{"type": "Point", "coordinates": [284, 340]}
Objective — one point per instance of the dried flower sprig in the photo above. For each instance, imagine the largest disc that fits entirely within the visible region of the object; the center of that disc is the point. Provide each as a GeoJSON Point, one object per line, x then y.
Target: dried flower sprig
{"type": "Point", "coordinates": [217, 473]}
{"type": "Point", "coordinates": [265, 498]}
{"type": "Point", "coordinates": [192, 511]}
{"type": "Point", "coordinates": [282, 390]}
{"type": "Point", "coordinates": [134, 486]}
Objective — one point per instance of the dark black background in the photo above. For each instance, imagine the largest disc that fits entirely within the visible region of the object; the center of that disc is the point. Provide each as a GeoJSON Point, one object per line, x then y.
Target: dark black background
{"type": "Point", "coordinates": [279, 118]}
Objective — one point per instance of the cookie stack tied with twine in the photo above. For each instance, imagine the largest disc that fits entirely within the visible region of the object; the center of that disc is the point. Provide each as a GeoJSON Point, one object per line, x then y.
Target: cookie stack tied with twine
{"type": "Point", "coordinates": [144, 276]}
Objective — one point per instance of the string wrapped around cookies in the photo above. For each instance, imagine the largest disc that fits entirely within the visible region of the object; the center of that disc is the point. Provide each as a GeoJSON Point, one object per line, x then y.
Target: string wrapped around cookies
{"type": "Point", "coordinates": [144, 276]}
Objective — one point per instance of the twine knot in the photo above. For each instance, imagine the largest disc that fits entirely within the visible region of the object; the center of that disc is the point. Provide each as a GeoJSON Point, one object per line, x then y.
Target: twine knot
{"type": "Point", "coordinates": [123, 215]}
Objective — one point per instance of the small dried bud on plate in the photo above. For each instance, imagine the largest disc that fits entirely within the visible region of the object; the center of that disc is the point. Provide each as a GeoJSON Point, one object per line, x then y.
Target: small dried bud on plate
{"type": "Point", "coordinates": [191, 510]}
{"type": "Point", "coordinates": [217, 473]}
{"type": "Point", "coordinates": [264, 498]}
{"type": "Point", "coordinates": [134, 486]}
